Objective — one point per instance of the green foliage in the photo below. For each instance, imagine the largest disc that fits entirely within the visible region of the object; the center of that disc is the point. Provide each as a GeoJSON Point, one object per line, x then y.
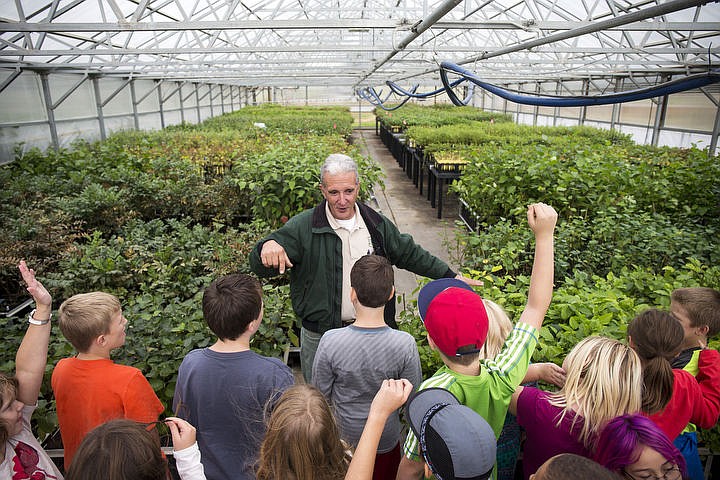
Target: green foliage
{"type": "Point", "coordinates": [154, 217]}
{"type": "Point", "coordinates": [329, 120]}
{"type": "Point", "coordinates": [412, 114]}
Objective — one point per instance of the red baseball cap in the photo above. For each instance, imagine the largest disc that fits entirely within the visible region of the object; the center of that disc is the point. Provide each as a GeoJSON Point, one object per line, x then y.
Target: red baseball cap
{"type": "Point", "coordinates": [456, 320]}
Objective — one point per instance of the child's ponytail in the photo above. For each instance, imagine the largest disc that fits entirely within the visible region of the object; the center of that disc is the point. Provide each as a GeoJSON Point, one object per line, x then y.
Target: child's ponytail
{"type": "Point", "coordinates": [657, 384]}
{"type": "Point", "coordinates": [656, 337]}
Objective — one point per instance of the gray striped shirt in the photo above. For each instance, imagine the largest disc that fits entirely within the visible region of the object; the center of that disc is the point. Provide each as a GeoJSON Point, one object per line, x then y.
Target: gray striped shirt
{"type": "Point", "coordinates": [349, 368]}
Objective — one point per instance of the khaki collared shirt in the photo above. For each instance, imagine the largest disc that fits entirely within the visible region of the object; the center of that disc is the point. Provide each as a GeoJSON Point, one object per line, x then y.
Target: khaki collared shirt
{"type": "Point", "coordinates": [356, 242]}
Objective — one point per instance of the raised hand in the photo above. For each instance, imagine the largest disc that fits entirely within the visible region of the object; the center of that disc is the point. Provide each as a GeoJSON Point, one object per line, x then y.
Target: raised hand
{"type": "Point", "coordinates": [39, 293]}
{"type": "Point", "coordinates": [541, 218]}
{"type": "Point", "coordinates": [391, 396]}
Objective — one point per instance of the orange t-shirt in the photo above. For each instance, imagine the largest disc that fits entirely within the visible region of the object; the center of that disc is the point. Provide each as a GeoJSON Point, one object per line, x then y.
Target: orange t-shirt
{"type": "Point", "coordinates": [91, 392]}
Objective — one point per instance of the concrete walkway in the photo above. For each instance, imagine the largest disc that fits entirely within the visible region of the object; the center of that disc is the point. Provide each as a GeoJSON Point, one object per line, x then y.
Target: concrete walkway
{"type": "Point", "coordinates": [400, 201]}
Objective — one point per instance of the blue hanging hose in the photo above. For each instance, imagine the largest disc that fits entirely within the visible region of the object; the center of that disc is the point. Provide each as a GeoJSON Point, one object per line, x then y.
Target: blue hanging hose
{"type": "Point", "coordinates": [373, 97]}
{"type": "Point", "coordinates": [369, 94]}
{"type": "Point", "coordinates": [667, 88]}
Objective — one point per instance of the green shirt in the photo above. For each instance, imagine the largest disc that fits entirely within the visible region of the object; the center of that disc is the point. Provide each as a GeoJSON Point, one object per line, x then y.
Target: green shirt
{"type": "Point", "coordinates": [488, 393]}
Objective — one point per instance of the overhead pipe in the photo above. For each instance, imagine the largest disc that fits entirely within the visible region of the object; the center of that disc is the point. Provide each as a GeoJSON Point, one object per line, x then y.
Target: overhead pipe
{"type": "Point", "coordinates": [656, 11]}
{"type": "Point", "coordinates": [650, 12]}
{"type": "Point", "coordinates": [415, 31]}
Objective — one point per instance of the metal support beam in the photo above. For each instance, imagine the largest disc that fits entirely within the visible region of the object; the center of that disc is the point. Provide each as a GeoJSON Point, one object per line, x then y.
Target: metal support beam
{"type": "Point", "coordinates": [593, 27]}
{"type": "Point", "coordinates": [660, 114]}
{"type": "Point", "coordinates": [50, 112]}
{"type": "Point", "coordinates": [583, 109]}
{"type": "Point", "coordinates": [160, 100]}
{"type": "Point", "coordinates": [197, 101]}
{"type": "Point", "coordinates": [536, 108]}
{"type": "Point", "coordinates": [99, 107]}
{"type": "Point", "coordinates": [133, 99]}
{"type": "Point", "coordinates": [343, 24]}
{"type": "Point", "coordinates": [712, 148]}
{"type": "Point", "coordinates": [615, 117]}
{"type": "Point", "coordinates": [182, 109]}
{"type": "Point", "coordinates": [417, 30]}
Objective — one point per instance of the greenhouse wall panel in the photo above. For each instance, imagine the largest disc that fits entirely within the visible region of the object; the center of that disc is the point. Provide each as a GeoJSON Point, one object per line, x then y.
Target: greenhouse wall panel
{"type": "Point", "coordinates": [170, 95]}
{"type": "Point", "coordinates": [172, 117]}
{"type": "Point", "coordinates": [684, 139]}
{"type": "Point", "coordinates": [121, 103]}
{"type": "Point", "coordinates": [641, 112]}
{"type": "Point", "coordinates": [22, 101]}
{"type": "Point", "coordinates": [79, 104]}
{"type": "Point", "coordinates": [115, 124]}
{"type": "Point", "coordinates": [602, 113]}
{"type": "Point", "coordinates": [70, 131]}
{"type": "Point", "coordinates": [150, 121]}
{"type": "Point", "coordinates": [691, 111]}
{"type": "Point", "coordinates": [148, 90]}
{"type": "Point", "coordinates": [28, 135]}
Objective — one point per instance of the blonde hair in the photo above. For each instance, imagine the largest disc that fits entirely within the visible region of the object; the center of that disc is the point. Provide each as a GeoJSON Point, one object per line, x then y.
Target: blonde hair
{"type": "Point", "coordinates": [86, 316]}
{"type": "Point", "coordinates": [302, 440]}
{"type": "Point", "coordinates": [499, 327]}
{"type": "Point", "coordinates": [603, 380]}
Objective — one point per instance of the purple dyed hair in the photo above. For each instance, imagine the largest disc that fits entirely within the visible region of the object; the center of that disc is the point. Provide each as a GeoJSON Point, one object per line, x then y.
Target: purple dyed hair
{"type": "Point", "coordinates": [620, 441]}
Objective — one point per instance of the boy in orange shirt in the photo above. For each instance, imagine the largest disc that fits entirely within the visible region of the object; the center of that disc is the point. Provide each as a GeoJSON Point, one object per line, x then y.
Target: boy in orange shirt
{"type": "Point", "coordinates": [90, 388]}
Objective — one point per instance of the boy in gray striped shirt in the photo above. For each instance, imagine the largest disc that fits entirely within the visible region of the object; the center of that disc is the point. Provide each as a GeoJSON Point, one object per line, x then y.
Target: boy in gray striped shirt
{"type": "Point", "coordinates": [352, 362]}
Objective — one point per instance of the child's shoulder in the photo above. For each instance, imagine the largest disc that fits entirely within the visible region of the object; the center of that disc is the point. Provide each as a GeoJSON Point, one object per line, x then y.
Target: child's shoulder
{"type": "Point", "coordinates": [443, 378]}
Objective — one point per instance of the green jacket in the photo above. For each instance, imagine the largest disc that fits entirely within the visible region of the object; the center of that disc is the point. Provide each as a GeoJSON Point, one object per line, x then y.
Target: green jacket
{"type": "Point", "coordinates": [316, 254]}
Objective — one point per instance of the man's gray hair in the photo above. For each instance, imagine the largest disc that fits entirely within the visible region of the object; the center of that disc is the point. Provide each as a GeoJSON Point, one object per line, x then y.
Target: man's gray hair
{"type": "Point", "coordinates": [338, 163]}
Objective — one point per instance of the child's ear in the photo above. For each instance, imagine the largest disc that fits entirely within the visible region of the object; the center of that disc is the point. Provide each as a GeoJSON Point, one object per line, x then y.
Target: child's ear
{"type": "Point", "coordinates": [703, 330]}
{"type": "Point", "coordinates": [392, 292]}
{"type": "Point", "coordinates": [100, 340]}
{"type": "Point", "coordinates": [431, 343]}
{"type": "Point", "coordinates": [353, 295]}
{"type": "Point", "coordinates": [255, 324]}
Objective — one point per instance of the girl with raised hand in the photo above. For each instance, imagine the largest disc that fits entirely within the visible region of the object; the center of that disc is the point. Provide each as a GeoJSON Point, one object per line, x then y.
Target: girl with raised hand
{"type": "Point", "coordinates": [22, 455]}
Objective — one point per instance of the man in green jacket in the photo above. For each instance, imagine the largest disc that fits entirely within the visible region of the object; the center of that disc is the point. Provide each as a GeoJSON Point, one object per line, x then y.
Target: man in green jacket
{"type": "Point", "coordinates": [319, 247]}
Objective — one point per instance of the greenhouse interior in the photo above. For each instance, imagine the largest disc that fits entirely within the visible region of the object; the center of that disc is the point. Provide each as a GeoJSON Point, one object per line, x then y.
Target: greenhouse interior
{"type": "Point", "coordinates": [74, 69]}
{"type": "Point", "coordinates": [151, 147]}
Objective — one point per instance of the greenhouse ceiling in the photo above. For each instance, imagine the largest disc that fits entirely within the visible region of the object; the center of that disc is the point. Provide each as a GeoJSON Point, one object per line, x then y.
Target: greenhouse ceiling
{"type": "Point", "coordinates": [358, 43]}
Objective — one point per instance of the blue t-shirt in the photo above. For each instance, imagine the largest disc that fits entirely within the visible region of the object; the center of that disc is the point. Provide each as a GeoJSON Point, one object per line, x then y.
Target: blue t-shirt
{"type": "Point", "coordinates": [224, 396]}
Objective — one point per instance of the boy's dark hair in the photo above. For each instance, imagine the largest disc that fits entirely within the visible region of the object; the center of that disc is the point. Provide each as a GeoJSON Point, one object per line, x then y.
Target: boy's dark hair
{"type": "Point", "coordinates": [230, 303]}
{"type": "Point", "coordinates": [372, 277]}
{"type": "Point", "coordinates": [702, 305]}
{"type": "Point", "coordinates": [657, 338]}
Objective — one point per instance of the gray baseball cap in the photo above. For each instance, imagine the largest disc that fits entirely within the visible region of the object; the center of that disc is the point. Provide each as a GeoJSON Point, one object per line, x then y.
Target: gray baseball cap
{"type": "Point", "coordinates": [456, 442]}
